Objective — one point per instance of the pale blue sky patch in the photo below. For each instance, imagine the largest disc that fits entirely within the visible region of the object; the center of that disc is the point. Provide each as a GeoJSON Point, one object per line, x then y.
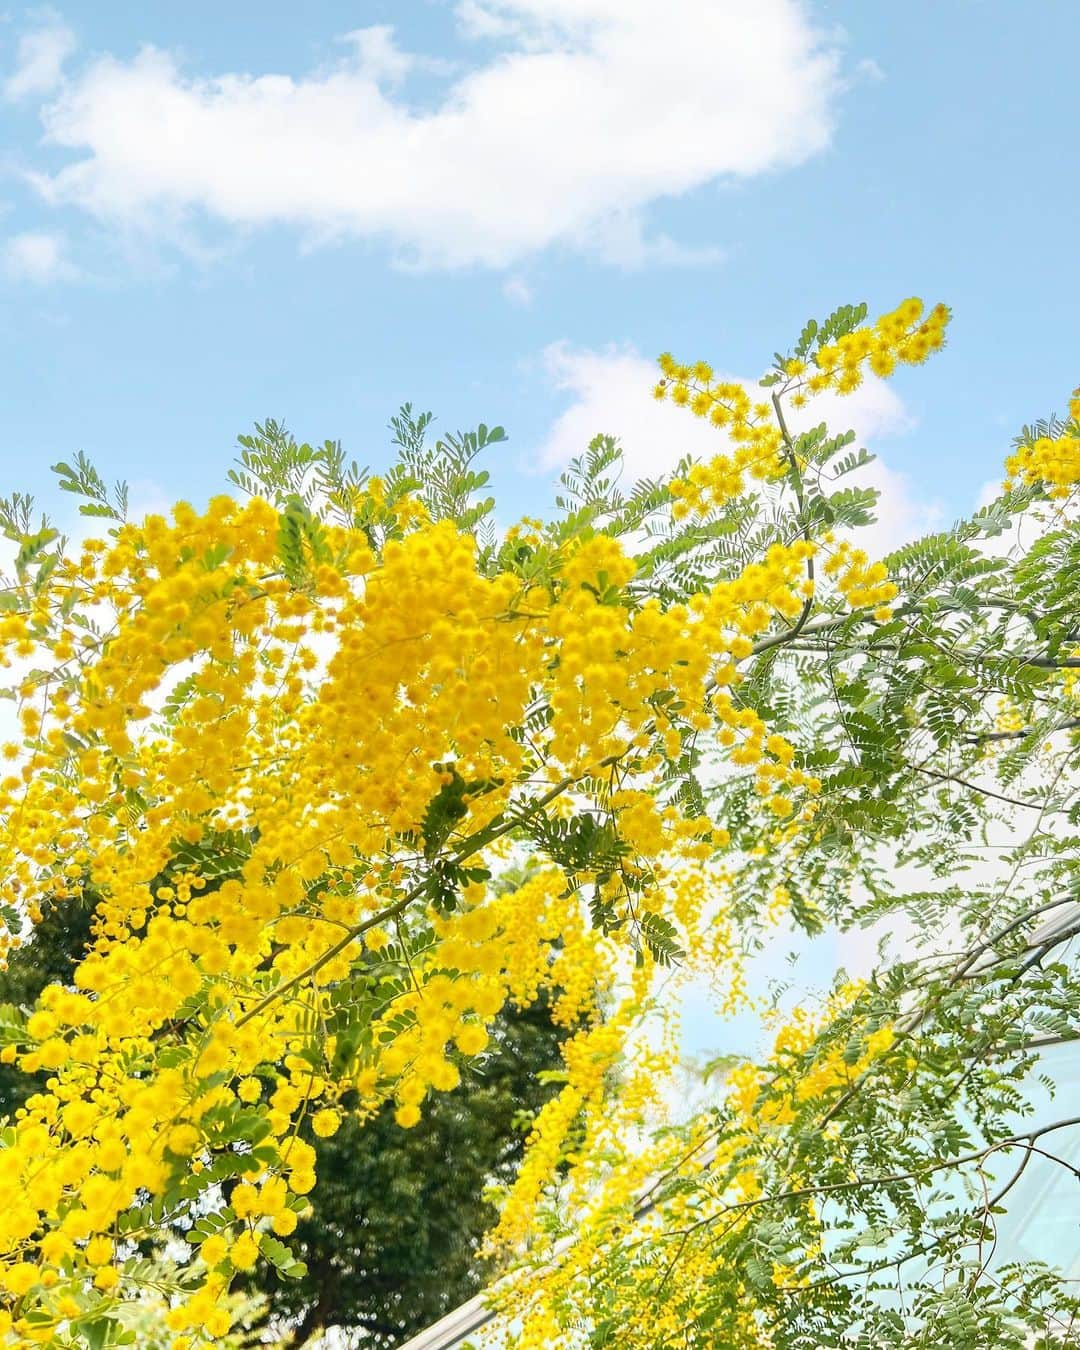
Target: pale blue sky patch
{"type": "Point", "coordinates": [318, 212]}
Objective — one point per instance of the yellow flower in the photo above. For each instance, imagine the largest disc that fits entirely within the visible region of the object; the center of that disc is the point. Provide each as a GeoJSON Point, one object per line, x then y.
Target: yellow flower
{"type": "Point", "coordinates": [18, 1278]}
{"type": "Point", "coordinates": [213, 1250]}
{"type": "Point", "coordinates": [99, 1250]}
{"type": "Point", "coordinates": [471, 1039]}
{"type": "Point", "coordinates": [183, 1140]}
{"type": "Point", "coordinates": [41, 1025]}
{"type": "Point", "coordinates": [325, 1123]}
{"type": "Point", "coordinates": [106, 1279]}
{"type": "Point", "coordinates": [244, 1252]}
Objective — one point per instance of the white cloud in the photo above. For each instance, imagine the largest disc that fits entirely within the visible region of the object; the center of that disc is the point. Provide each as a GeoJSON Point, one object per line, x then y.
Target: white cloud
{"type": "Point", "coordinates": [902, 514]}
{"type": "Point", "coordinates": [875, 409]}
{"type": "Point", "coordinates": [40, 60]}
{"type": "Point", "coordinates": [37, 256]}
{"type": "Point", "coordinates": [378, 55]}
{"type": "Point", "coordinates": [480, 20]}
{"type": "Point", "coordinates": [621, 238]}
{"type": "Point", "coordinates": [585, 114]}
{"type": "Point", "coordinates": [611, 392]}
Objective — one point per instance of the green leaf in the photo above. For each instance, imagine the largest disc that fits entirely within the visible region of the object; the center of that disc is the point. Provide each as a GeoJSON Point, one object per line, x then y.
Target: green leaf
{"type": "Point", "coordinates": [99, 1332]}
{"type": "Point", "coordinates": [281, 1257]}
{"type": "Point", "coordinates": [32, 546]}
{"type": "Point", "coordinates": [661, 937]}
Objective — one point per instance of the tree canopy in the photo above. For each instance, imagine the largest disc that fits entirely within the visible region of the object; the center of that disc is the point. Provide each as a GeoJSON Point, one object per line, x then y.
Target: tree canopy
{"type": "Point", "coordinates": [293, 741]}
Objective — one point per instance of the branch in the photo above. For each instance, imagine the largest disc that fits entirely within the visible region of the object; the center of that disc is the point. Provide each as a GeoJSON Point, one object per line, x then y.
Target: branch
{"type": "Point", "coordinates": [1055, 940]}
{"type": "Point", "coordinates": [892, 1179]}
{"type": "Point", "coordinates": [779, 639]}
{"type": "Point", "coordinates": [1069, 724]}
{"type": "Point", "coordinates": [971, 957]}
{"type": "Point", "coordinates": [499, 826]}
{"type": "Point", "coordinates": [991, 1203]}
{"type": "Point", "coordinates": [796, 478]}
{"type": "Point", "coordinates": [986, 792]}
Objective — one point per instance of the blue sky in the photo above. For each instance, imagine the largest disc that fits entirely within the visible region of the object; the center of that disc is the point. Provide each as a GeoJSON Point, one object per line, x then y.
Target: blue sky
{"type": "Point", "coordinates": [187, 244]}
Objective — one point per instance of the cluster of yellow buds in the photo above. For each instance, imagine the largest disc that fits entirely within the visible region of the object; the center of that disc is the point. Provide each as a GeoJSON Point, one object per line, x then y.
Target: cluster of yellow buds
{"type": "Point", "coordinates": [1008, 717]}
{"type": "Point", "coordinates": [710, 486]}
{"type": "Point", "coordinates": [1052, 461]}
{"type": "Point", "coordinates": [863, 584]}
{"type": "Point", "coordinates": [903, 336]}
{"type": "Point", "coordinates": [727, 405]}
{"type": "Point", "coordinates": [725, 402]}
{"type": "Point", "coordinates": [906, 335]}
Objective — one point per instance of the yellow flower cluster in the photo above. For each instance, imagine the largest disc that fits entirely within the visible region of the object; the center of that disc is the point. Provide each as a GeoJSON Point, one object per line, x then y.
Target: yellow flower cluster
{"type": "Point", "coordinates": [701, 1182]}
{"type": "Point", "coordinates": [750, 425]}
{"type": "Point", "coordinates": [863, 584]}
{"type": "Point", "coordinates": [1053, 462]}
{"type": "Point", "coordinates": [756, 428]}
{"type": "Point", "coordinates": [285, 762]}
{"type": "Point", "coordinates": [710, 486]}
{"type": "Point", "coordinates": [828, 1070]}
{"type": "Point", "coordinates": [1007, 718]}
{"type": "Point", "coordinates": [250, 761]}
{"type": "Point", "coordinates": [901, 336]}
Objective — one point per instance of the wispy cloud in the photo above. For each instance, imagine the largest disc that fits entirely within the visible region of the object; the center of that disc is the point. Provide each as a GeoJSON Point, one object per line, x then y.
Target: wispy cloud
{"type": "Point", "coordinates": [37, 256]}
{"type": "Point", "coordinates": [575, 117]}
{"type": "Point", "coordinates": [39, 62]}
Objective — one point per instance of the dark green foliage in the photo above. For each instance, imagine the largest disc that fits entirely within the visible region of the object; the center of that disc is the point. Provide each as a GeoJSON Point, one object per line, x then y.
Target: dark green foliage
{"type": "Point", "coordinates": [449, 806]}
{"type": "Point", "coordinates": [59, 941]}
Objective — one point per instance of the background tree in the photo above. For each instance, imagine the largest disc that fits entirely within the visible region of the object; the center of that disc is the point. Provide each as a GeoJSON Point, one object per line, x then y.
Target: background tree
{"type": "Point", "coordinates": [59, 942]}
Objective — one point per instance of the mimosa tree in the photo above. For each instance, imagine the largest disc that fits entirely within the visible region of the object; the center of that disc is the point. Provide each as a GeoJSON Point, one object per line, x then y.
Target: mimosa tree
{"type": "Point", "coordinates": [289, 744]}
